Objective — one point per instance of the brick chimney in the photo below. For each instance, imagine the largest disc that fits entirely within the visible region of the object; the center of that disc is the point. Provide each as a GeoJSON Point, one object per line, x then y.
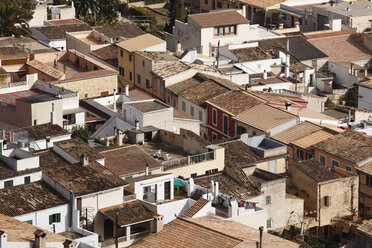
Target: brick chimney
{"type": "Point", "coordinates": [40, 239]}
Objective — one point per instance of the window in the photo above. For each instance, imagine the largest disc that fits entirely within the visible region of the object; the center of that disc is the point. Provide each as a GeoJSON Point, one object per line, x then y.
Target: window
{"type": "Point", "coordinates": [346, 196]}
{"type": "Point", "coordinates": [284, 17]}
{"type": "Point", "coordinates": [214, 137]}
{"type": "Point", "coordinates": [206, 1]}
{"type": "Point", "coordinates": [138, 78]}
{"type": "Point", "coordinates": [369, 181]}
{"type": "Point", "coordinates": [8, 184]}
{"type": "Point", "coordinates": [35, 122]}
{"type": "Point", "coordinates": [219, 5]}
{"type": "Point", "coordinates": [348, 168]}
{"type": "Point", "coordinates": [192, 111]}
{"type": "Point", "coordinates": [268, 223]}
{"type": "Point", "coordinates": [308, 155]}
{"type": "Point", "coordinates": [128, 177]}
{"type": "Point", "coordinates": [121, 53]}
{"type": "Point", "coordinates": [268, 200]}
{"type": "Point", "coordinates": [183, 106]}
{"type": "Point", "coordinates": [225, 124]}
{"type": "Point", "coordinates": [214, 117]}
{"type": "Point", "coordinates": [335, 163]}
{"type": "Point", "coordinates": [300, 154]}
{"type": "Point", "coordinates": [193, 175]}
{"type": "Point", "coordinates": [27, 180]}
{"type": "Point", "coordinates": [322, 159]}
{"type": "Point", "coordinates": [200, 115]}
{"type": "Point", "coordinates": [155, 84]}
{"type": "Point", "coordinates": [130, 57]}
{"type": "Point", "coordinates": [29, 222]}
{"type": "Point", "coordinates": [211, 171]}
{"type": "Point", "coordinates": [326, 201]}
{"type": "Point", "coordinates": [147, 83]}
{"type": "Point", "coordinates": [121, 71]}
{"type": "Point", "coordinates": [225, 30]}
{"type": "Point", "coordinates": [54, 218]}
{"type": "Point", "coordinates": [130, 76]}
{"type": "Point", "coordinates": [143, 63]}
{"type": "Point", "coordinates": [300, 21]}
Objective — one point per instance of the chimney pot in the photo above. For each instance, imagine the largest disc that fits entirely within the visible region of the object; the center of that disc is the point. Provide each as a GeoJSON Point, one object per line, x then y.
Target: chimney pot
{"type": "Point", "coordinates": [147, 170]}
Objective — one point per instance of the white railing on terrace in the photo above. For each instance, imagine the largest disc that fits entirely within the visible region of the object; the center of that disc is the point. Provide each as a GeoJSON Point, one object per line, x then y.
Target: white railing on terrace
{"type": "Point", "coordinates": [55, 89]}
{"type": "Point", "coordinates": [189, 160]}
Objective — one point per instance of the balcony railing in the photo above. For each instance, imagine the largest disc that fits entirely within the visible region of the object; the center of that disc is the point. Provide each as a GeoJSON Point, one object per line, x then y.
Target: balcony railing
{"type": "Point", "coordinates": [189, 160]}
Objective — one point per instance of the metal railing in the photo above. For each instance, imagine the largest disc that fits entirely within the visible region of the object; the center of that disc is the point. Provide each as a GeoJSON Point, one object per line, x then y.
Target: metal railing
{"type": "Point", "coordinates": [13, 84]}
{"type": "Point", "coordinates": [189, 160]}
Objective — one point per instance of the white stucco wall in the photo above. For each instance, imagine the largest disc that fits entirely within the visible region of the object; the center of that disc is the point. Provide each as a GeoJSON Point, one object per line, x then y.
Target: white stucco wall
{"type": "Point", "coordinates": [41, 218]}
{"type": "Point", "coordinates": [19, 180]}
{"type": "Point", "coordinates": [364, 98]}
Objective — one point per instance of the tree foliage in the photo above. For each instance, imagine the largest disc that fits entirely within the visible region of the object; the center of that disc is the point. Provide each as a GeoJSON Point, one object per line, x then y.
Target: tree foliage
{"type": "Point", "coordinates": [351, 97]}
{"type": "Point", "coordinates": [176, 11]}
{"type": "Point", "coordinates": [97, 12]}
{"type": "Point", "coordinates": [14, 17]}
{"type": "Point", "coordinates": [81, 132]}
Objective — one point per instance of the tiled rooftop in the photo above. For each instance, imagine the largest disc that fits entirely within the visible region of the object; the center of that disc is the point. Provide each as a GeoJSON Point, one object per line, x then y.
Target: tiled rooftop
{"type": "Point", "coordinates": [140, 42]}
{"type": "Point", "coordinates": [81, 180]}
{"type": "Point", "coordinates": [349, 145]}
{"type": "Point", "coordinates": [28, 198]}
{"type": "Point", "coordinates": [315, 170]}
{"type": "Point", "coordinates": [76, 148]}
{"type": "Point", "coordinates": [296, 132]}
{"type": "Point", "coordinates": [129, 212]}
{"type": "Point", "coordinates": [194, 209]}
{"type": "Point", "coordinates": [128, 160]}
{"type": "Point", "coordinates": [43, 131]}
{"type": "Point", "coordinates": [313, 138]}
{"type": "Point", "coordinates": [126, 30]}
{"type": "Point", "coordinates": [109, 54]}
{"type": "Point", "coordinates": [265, 117]}
{"type": "Point", "coordinates": [237, 152]}
{"type": "Point", "coordinates": [59, 31]}
{"type": "Point", "coordinates": [218, 18]}
{"type": "Point", "coordinates": [19, 231]}
{"type": "Point", "coordinates": [7, 172]}
{"type": "Point", "coordinates": [187, 234]}
{"type": "Point", "coordinates": [250, 54]}
{"type": "Point", "coordinates": [28, 95]}
{"type": "Point", "coordinates": [234, 102]}
{"type": "Point", "coordinates": [166, 69]}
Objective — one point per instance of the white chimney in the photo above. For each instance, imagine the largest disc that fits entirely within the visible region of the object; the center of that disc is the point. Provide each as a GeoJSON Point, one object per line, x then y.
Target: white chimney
{"type": "Point", "coordinates": [265, 74]}
{"type": "Point", "coordinates": [244, 11]}
{"type": "Point", "coordinates": [147, 170]}
{"type": "Point", "coordinates": [212, 186]}
{"type": "Point", "coordinates": [178, 49]}
{"type": "Point", "coordinates": [136, 123]}
{"type": "Point", "coordinates": [53, 115]}
{"type": "Point", "coordinates": [127, 90]}
{"type": "Point", "coordinates": [114, 100]}
{"type": "Point", "coordinates": [191, 186]}
{"type": "Point", "coordinates": [120, 137]}
{"type": "Point", "coordinates": [216, 188]}
{"type": "Point", "coordinates": [72, 4]}
{"type": "Point", "coordinates": [287, 66]}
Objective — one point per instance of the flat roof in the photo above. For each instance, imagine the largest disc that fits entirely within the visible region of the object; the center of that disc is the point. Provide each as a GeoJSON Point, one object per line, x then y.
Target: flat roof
{"type": "Point", "coordinates": [28, 198]}
{"type": "Point", "coordinates": [147, 106]}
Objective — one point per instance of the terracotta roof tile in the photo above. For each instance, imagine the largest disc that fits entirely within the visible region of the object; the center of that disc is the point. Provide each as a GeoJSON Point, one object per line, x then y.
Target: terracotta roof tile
{"type": "Point", "coordinates": [234, 102]}
{"type": "Point", "coordinates": [76, 148]}
{"type": "Point", "coordinates": [349, 145]}
{"type": "Point", "coordinates": [194, 209]}
{"type": "Point", "coordinates": [315, 170]}
{"type": "Point", "coordinates": [366, 228]}
{"type": "Point", "coordinates": [237, 152]}
{"type": "Point", "coordinates": [265, 117]}
{"type": "Point", "coordinates": [43, 131]}
{"type": "Point", "coordinates": [140, 42]}
{"type": "Point", "coordinates": [129, 212]}
{"type": "Point", "coordinates": [28, 198]}
{"type": "Point", "coordinates": [59, 31]}
{"type": "Point", "coordinates": [182, 233]}
{"type": "Point", "coordinates": [313, 138]}
{"type": "Point", "coordinates": [218, 18]}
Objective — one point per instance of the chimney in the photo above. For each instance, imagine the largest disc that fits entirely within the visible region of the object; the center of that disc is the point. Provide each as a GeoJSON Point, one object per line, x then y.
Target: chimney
{"type": "Point", "coordinates": [216, 188]}
{"type": "Point", "coordinates": [84, 160]}
{"type": "Point", "coordinates": [147, 170]}
{"type": "Point", "coordinates": [40, 240]}
{"type": "Point", "coordinates": [119, 137]}
{"type": "Point", "coordinates": [3, 238]}
{"type": "Point", "coordinates": [244, 11]}
{"type": "Point", "coordinates": [288, 106]}
{"type": "Point", "coordinates": [212, 186]}
{"type": "Point", "coordinates": [107, 142]}
{"type": "Point", "coordinates": [127, 90]}
{"type": "Point", "coordinates": [114, 100]}
{"type": "Point", "coordinates": [53, 115]}
{"type": "Point", "coordinates": [178, 49]}
{"type": "Point", "coordinates": [265, 74]}
{"type": "Point", "coordinates": [136, 124]}
{"type": "Point", "coordinates": [261, 230]}
{"type": "Point", "coordinates": [281, 26]}
{"type": "Point", "coordinates": [158, 223]}
{"type": "Point", "coordinates": [191, 187]}
{"type": "Point", "coordinates": [72, 4]}
{"type": "Point", "coordinates": [287, 66]}
{"type": "Point", "coordinates": [68, 244]}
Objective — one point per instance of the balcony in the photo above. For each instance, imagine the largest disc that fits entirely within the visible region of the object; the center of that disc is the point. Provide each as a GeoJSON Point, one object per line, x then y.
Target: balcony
{"type": "Point", "coordinates": [189, 160]}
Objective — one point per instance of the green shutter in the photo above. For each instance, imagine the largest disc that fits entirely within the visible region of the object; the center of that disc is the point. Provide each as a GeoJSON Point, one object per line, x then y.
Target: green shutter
{"type": "Point", "coordinates": [58, 219]}
{"type": "Point", "coordinates": [200, 115]}
{"type": "Point", "coordinates": [50, 219]}
{"type": "Point", "coordinates": [268, 200]}
{"type": "Point", "coordinates": [268, 223]}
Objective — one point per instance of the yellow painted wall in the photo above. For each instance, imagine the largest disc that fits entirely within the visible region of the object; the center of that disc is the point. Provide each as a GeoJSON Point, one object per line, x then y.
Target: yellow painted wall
{"type": "Point", "coordinates": [124, 62]}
